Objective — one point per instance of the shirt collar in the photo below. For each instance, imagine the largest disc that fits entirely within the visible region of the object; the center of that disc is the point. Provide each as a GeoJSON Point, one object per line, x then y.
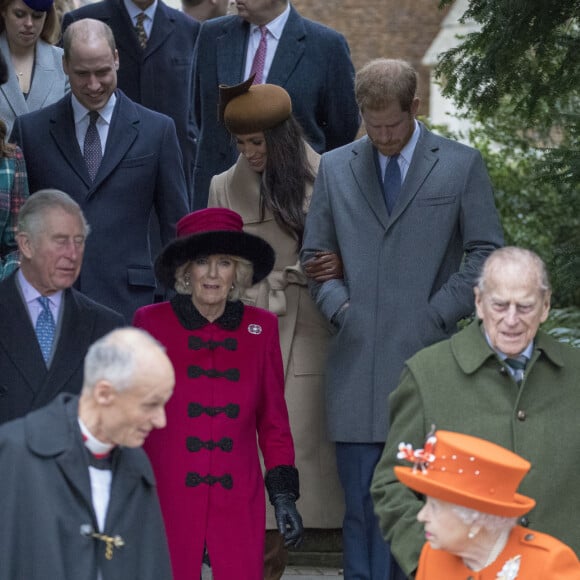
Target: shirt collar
{"type": "Point", "coordinates": [133, 10]}
{"type": "Point", "coordinates": [276, 26]}
{"type": "Point", "coordinates": [30, 293]}
{"type": "Point", "coordinates": [80, 111]}
{"type": "Point", "coordinates": [527, 352]}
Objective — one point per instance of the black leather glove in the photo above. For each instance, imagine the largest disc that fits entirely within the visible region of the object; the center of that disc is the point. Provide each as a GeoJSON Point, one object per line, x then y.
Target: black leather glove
{"type": "Point", "coordinates": [288, 520]}
{"type": "Point", "coordinates": [283, 490]}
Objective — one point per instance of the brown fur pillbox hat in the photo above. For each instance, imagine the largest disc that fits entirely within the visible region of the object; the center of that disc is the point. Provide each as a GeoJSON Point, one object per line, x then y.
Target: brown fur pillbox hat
{"type": "Point", "coordinates": [248, 108]}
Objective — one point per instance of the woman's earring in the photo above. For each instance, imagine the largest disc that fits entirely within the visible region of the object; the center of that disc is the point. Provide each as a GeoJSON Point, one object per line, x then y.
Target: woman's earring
{"type": "Point", "coordinates": [471, 534]}
{"type": "Point", "coordinates": [187, 280]}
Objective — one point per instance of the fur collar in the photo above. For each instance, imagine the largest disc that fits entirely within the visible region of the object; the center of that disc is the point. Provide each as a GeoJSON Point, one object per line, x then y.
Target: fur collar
{"type": "Point", "coordinates": [191, 319]}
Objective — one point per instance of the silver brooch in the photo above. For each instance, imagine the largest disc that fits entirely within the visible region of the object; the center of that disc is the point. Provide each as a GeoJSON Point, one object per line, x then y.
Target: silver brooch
{"type": "Point", "coordinates": [254, 329]}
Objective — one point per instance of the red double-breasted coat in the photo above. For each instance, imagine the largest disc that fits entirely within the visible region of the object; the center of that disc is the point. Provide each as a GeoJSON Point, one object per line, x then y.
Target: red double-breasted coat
{"type": "Point", "coordinates": [228, 398]}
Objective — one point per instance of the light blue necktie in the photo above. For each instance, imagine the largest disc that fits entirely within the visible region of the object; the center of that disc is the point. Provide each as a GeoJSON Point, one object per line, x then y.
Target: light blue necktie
{"type": "Point", "coordinates": [392, 182]}
{"type": "Point", "coordinates": [45, 328]}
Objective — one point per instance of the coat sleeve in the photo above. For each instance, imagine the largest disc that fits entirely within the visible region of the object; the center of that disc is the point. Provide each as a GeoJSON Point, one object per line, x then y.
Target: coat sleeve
{"type": "Point", "coordinates": [171, 195]}
{"type": "Point", "coordinates": [482, 234]}
{"type": "Point", "coordinates": [273, 425]}
{"type": "Point", "coordinates": [395, 504]}
{"type": "Point", "coordinates": [320, 234]}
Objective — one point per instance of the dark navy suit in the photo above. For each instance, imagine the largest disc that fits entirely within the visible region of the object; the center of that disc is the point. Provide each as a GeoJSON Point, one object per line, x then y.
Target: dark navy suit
{"type": "Point", "coordinates": [140, 171]}
{"type": "Point", "coordinates": [161, 76]}
{"type": "Point", "coordinates": [312, 62]}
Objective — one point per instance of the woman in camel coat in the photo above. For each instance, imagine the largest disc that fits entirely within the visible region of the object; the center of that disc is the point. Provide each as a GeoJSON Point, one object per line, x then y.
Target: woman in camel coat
{"type": "Point", "coordinates": [270, 187]}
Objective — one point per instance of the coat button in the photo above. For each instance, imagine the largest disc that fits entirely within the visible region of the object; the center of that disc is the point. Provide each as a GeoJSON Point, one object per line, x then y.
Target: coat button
{"type": "Point", "coordinates": [522, 415]}
{"type": "Point", "coordinates": [524, 522]}
{"type": "Point", "coordinates": [503, 370]}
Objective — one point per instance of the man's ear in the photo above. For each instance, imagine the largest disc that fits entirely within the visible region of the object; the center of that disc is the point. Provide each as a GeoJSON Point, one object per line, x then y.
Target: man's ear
{"type": "Point", "coordinates": [24, 242]}
{"type": "Point", "coordinates": [104, 393]}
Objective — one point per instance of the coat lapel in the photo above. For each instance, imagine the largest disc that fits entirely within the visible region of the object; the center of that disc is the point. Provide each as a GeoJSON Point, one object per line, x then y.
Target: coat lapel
{"type": "Point", "coordinates": [231, 51]}
{"type": "Point", "coordinates": [365, 174]}
{"type": "Point", "coordinates": [73, 341]}
{"type": "Point", "coordinates": [54, 432]}
{"type": "Point", "coordinates": [11, 89]}
{"type": "Point", "coordinates": [290, 50]}
{"type": "Point", "coordinates": [127, 474]}
{"type": "Point", "coordinates": [44, 77]}
{"type": "Point", "coordinates": [20, 345]}
{"type": "Point", "coordinates": [422, 163]}
{"type": "Point", "coordinates": [62, 130]}
{"type": "Point", "coordinates": [163, 28]}
{"type": "Point", "coordinates": [120, 22]}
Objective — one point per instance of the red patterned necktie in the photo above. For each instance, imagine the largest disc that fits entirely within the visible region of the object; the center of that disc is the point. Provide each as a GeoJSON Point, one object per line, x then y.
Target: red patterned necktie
{"type": "Point", "coordinates": [260, 57]}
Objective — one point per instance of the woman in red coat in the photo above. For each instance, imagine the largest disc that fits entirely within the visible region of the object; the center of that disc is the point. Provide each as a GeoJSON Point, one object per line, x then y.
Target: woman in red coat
{"type": "Point", "coordinates": [470, 514]}
{"type": "Point", "coordinates": [229, 396]}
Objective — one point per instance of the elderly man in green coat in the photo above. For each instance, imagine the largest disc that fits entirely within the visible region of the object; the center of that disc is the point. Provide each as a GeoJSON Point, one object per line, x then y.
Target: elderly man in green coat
{"type": "Point", "coordinates": [474, 383]}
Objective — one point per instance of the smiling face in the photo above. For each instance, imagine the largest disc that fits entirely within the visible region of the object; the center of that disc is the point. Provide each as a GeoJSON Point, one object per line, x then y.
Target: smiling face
{"type": "Point", "coordinates": [211, 281]}
{"type": "Point", "coordinates": [23, 25]}
{"type": "Point", "coordinates": [253, 147]}
{"type": "Point", "coordinates": [512, 305]}
{"type": "Point", "coordinates": [52, 257]}
{"type": "Point", "coordinates": [390, 128]}
{"type": "Point", "coordinates": [92, 70]}
{"type": "Point", "coordinates": [444, 529]}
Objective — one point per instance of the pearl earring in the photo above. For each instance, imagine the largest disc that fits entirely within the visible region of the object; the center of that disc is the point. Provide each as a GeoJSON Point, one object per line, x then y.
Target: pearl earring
{"type": "Point", "coordinates": [187, 280]}
{"type": "Point", "coordinates": [471, 534]}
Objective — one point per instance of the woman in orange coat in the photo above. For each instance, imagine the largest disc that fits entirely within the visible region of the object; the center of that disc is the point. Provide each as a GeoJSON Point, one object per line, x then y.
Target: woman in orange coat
{"type": "Point", "coordinates": [470, 514]}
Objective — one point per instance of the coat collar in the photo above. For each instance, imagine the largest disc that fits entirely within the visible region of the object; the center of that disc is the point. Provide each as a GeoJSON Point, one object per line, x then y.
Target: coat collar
{"type": "Point", "coordinates": [471, 350]}
{"type": "Point", "coordinates": [123, 131]}
{"type": "Point", "coordinates": [44, 77]}
{"type": "Point", "coordinates": [191, 319]}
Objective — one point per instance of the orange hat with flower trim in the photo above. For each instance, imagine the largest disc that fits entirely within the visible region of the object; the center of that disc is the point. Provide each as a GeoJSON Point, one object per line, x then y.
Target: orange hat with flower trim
{"type": "Point", "coordinates": [467, 471]}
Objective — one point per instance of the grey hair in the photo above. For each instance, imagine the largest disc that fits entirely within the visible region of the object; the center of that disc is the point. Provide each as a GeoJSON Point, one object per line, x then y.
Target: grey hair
{"type": "Point", "coordinates": [516, 255]}
{"type": "Point", "coordinates": [242, 278]}
{"type": "Point", "coordinates": [114, 358]}
{"type": "Point", "coordinates": [32, 213]}
{"type": "Point", "coordinates": [488, 521]}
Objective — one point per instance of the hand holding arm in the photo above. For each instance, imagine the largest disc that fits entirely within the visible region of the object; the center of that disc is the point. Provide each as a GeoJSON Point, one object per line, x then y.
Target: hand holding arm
{"type": "Point", "coordinates": [324, 266]}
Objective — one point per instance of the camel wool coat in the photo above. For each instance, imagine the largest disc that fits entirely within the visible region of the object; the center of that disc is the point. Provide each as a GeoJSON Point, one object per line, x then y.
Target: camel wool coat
{"type": "Point", "coordinates": [304, 335]}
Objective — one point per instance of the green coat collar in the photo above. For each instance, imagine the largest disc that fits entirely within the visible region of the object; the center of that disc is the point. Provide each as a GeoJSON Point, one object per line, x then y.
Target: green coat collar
{"type": "Point", "coordinates": [471, 350]}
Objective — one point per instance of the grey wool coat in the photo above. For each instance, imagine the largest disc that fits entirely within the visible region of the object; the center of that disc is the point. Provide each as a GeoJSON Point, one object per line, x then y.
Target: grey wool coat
{"type": "Point", "coordinates": [409, 276]}
{"type": "Point", "coordinates": [45, 498]}
{"type": "Point", "coordinates": [304, 336]}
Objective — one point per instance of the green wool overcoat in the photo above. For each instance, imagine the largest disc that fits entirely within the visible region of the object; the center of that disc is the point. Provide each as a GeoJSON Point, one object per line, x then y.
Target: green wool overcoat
{"type": "Point", "coordinates": [461, 385]}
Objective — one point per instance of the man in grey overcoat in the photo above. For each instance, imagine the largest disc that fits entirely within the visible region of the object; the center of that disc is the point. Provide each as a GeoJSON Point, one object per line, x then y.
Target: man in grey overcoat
{"type": "Point", "coordinates": [77, 496]}
{"type": "Point", "coordinates": [412, 246]}
{"type": "Point", "coordinates": [503, 379]}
